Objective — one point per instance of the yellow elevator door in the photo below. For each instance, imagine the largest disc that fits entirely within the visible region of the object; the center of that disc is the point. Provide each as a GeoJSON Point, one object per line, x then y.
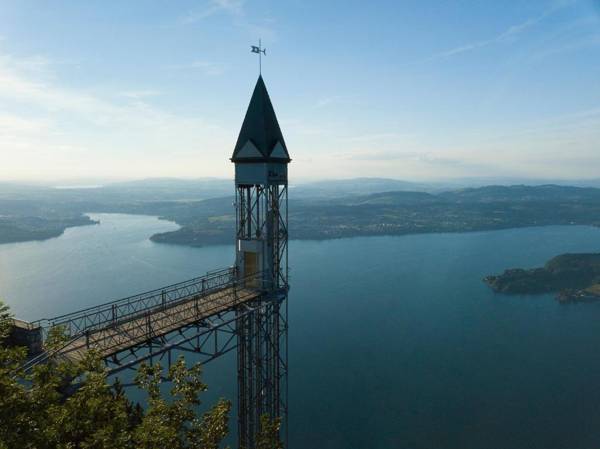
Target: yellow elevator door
{"type": "Point", "coordinates": [251, 268]}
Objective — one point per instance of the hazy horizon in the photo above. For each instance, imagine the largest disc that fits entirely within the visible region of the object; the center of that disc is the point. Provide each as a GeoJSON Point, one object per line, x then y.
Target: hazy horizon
{"type": "Point", "coordinates": [474, 181]}
{"type": "Point", "coordinates": [418, 92]}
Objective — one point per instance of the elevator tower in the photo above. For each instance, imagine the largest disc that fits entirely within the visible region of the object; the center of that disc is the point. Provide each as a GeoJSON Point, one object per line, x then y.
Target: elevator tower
{"type": "Point", "coordinates": [261, 160]}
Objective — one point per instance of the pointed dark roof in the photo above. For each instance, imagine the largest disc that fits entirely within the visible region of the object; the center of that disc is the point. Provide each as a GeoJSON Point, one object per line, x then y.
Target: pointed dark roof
{"type": "Point", "coordinates": [261, 129]}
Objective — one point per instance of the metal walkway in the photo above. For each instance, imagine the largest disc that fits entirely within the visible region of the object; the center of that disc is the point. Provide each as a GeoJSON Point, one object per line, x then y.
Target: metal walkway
{"type": "Point", "coordinates": [117, 330]}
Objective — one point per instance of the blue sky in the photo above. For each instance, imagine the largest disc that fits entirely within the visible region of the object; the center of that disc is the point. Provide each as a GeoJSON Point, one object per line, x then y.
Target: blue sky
{"type": "Point", "coordinates": [412, 90]}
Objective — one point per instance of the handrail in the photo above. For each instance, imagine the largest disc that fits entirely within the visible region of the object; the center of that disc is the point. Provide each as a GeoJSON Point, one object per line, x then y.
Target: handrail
{"type": "Point", "coordinates": [210, 274]}
{"type": "Point", "coordinates": [92, 323]}
{"type": "Point", "coordinates": [76, 323]}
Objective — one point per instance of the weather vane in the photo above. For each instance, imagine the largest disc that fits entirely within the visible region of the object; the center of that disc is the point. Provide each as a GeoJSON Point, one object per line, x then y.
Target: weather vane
{"type": "Point", "coordinates": [261, 51]}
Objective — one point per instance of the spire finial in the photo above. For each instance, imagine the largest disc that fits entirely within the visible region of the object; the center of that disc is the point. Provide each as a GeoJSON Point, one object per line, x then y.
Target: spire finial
{"type": "Point", "coordinates": [261, 51]}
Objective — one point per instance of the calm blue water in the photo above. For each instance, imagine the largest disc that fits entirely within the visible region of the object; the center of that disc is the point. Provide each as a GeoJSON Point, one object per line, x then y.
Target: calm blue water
{"type": "Point", "coordinates": [394, 342]}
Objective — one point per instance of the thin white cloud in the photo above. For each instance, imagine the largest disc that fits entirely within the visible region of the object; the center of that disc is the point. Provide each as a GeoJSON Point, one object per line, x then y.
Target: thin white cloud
{"type": "Point", "coordinates": [24, 89]}
{"type": "Point", "coordinates": [565, 146]}
{"type": "Point", "coordinates": [509, 35]}
{"type": "Point", "coordinates": [231, 7]}
{"type": "Point", "coordinates": [235, 9]}
{"type": "Point", "coordinates": [585, 34]}
{"type": "Point", "coordinates": [423, 158]}
{"type": "Point", "coordinates": [329, 100]}
{"type": "Point", "coordinates": [140, 94]}
{"type": "Point", "coordinates": [553, 147]}
{"type": "Point", "coordinates": [374, 138]}
{"type": "Point", "coordinates": [208, 68]}
{"type": "Point", "coordinates": [68, 132]}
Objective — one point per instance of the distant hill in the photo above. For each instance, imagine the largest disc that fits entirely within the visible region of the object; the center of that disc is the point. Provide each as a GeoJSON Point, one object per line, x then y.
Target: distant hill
{"type": "Point", "coordinates": [389, 199]}
{"type": "Point", "coordinates": [523, 193]}
{"type": "Point", "coordinates": [459, 183]}
{"type": "Point", "coordinates": [159, 189]}
{"type": "Point", "coordinates": [406, 212]}
{"type": "Point", "coordinates": [331, 209]}
{"type": "Point", "coordinates": [169, 189]}
{"type": "Point", "coordinates": [355, 186]}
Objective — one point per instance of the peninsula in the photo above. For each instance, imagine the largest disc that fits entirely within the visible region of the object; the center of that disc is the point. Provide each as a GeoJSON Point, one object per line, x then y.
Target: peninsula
{"type": "Point", "coordinates": [22, 229]}
{"type": "Point", "coordinates": [573, 277]}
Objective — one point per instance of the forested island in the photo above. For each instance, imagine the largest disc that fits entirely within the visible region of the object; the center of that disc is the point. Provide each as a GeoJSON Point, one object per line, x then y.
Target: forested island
{"type": "Point", "coordinates": [574, 277]}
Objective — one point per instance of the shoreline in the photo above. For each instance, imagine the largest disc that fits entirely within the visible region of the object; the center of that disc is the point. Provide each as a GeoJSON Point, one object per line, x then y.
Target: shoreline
{"type": "Point", "coordinates": [228, 239]}
{"type": "Point", "coordinates": [572, 277]}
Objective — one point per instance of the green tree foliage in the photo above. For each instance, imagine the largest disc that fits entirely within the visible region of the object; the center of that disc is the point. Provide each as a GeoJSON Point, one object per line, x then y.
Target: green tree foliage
{"type": "Point", "coordinates": [63, 405]}
{"type": "Point", "coordinates": [268, 437]}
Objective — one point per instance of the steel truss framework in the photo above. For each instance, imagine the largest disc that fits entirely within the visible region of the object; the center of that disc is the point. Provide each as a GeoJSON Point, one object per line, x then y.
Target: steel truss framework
{"type": "Point", "coordinates": [208, 339]}
{"type": "Point", "coordinates": [261, 215]}
{"type": "Point", "coordinates": [253, 321]}
{"type": "Point", "coordinates": [208, 316]}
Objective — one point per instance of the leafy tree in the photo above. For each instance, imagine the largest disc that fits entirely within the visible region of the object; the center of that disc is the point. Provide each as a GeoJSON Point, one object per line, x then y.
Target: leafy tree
{"type": "Point", "coordinates": [71, 405]}
{"type": "Point", "coordinates": [268, 436]}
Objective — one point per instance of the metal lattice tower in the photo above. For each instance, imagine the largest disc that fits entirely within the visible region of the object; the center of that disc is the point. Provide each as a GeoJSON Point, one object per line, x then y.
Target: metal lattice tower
{"type": "Point", "coordinates": [261, 159]}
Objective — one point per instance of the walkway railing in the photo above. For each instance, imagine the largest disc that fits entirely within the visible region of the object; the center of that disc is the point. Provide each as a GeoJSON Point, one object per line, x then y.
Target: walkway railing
{"type": "Point", "coordinates": [172, 304]}
{"type": "Point", "coordinates": [102, 316]}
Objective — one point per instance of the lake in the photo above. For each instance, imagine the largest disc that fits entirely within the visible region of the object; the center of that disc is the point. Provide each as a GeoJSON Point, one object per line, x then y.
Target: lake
{"type": "Point", "coordinates": [395, 342]}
